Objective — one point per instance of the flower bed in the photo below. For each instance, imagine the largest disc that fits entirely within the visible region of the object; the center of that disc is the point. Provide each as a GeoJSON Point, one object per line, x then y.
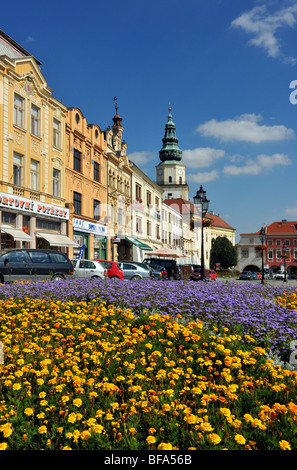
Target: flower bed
{"type": "Point", "coordinates": [249, 309]}
{"type": "Point", "coordinates": [89, 375]}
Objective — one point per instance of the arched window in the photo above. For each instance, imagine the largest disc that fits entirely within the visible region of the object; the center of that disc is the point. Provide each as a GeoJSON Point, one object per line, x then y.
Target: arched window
{"type": "Point", "coordinates": [180, 180]}
{"type": "Point", "coordinates": [170, 179]}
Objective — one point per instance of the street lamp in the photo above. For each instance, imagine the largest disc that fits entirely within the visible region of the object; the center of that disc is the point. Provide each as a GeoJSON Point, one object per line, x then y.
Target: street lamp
{"type": "Point", "coordinates": [262, 239]}
{"type": "Point", "coordinates": [284, 256]}
{"type": "Point", "coordinates": [201, 200]}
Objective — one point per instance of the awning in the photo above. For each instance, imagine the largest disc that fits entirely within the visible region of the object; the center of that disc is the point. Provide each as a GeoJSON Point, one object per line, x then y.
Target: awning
{"type": "Point", "coordinates": [55, 239]}
{"type": "Point", "coordinates": [17, 233]}
{"type": "Point", "coordinates": [138, 243]}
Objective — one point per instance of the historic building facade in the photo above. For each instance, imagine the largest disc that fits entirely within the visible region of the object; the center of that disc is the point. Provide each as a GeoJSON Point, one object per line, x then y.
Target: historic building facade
{"type": "Point", "coordinates": [86, 186]}
{"type": "Point", "coordinates": [32, 166]}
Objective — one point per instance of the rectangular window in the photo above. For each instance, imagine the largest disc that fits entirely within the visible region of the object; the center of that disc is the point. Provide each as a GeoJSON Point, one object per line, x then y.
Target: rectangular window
{"type": "Point", "coordinates": [18, 169]}
{"type": "Point", "coordinates": [19, 111]}
{"type": "Point", "coordinates": [96, 171]}
{"type": "Point", "coordinates": [35, 120]}
{"type": "Point", "coordinates": [138, 225]}
{"type": "Point", "coordinates": [244, 252]}
{"type": "Point", "coordinates": [34, 175]}
{"type": "Point", "coordinates": [270, 255]}
{"type": "Point", "coordinates": [56, 182]}
{"type": "Point", "coordinates": [278, 255]}
{"type": "Point", "coordinates": [77, 202]}
{"type": "Point", "coordinates": [76, 160]}
{"type": "Point", "coordinates": [56, 133]}
{"type": "Point", "coordinates": [148, 198]}
{"type": "Point", "coordinates": [138, 192]}
{"type": "Point", "coordinates": [96, 209]}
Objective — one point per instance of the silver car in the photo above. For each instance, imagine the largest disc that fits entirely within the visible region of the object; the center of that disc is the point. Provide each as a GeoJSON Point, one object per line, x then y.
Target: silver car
{"type": "Point", "coordinates": [134, 270]}
{"type": "Point", "coordinates": [87, 268]}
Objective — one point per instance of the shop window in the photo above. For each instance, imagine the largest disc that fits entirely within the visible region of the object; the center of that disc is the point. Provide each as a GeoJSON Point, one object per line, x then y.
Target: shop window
{"type": "Point", "coordinates": [8, 218]}
{"type": "Point", "coordinates": [47, 224]}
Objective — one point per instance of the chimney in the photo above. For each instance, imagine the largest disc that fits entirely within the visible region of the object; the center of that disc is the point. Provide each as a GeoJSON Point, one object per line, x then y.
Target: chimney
{"type": "Point", "coordinates": [284, 221]}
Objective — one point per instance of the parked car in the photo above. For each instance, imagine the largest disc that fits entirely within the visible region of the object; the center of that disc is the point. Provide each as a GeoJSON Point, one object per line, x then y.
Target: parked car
{"type": "Point", "coordinates": [246, 275]}
{"type": "Point", "coordinates": [196, 275]}
{"type": "Point", "coordinates": [171, 266]}
{"type": "Point", "coordinates": [254, 275]}
{"type": "Point", "coordinates": [158, 272]}
{"type": "Point", "coordinates": [212, 274]}
{"type": "Point", "coordinates": [280, 274]}
{"type": "Point", "coordinates": [88, 268]}
{"type": "Point", "coordinates": [22, 264]}
{"type": "Point", "coordinates": [113, 270]}
{"type": "Point", "coordinates": [133, 270]}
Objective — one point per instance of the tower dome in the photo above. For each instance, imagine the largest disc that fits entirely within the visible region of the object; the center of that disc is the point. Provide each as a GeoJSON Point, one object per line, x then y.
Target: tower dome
{"type": "Point", "coordinates": [170, 152]}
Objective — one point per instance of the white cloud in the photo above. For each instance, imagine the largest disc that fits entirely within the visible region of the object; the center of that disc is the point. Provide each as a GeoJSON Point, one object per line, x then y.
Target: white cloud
{"type": "Point", "coordinates": [202, 157]}
{"type": "Point", "coordinates": [263, 163]}
{"type": "Point", "coordinates": [141, 158]}
{"type": "Point", "coordinates": [291, 211]}
{"type": "Point", "coordinates": [263, 26]}
{"type": "Point", "coordinates": [203, 177]}
{"type": "Point", "coordinates": [244, 128]}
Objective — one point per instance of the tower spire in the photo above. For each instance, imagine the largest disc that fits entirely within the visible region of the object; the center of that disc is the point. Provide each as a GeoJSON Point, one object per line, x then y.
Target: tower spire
{"type": "Point", "coordinates": [170, 150]}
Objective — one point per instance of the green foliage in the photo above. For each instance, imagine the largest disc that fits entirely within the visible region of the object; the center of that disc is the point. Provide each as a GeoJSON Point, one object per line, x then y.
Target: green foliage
{"type": "Point", "coordinates": [223, 252]}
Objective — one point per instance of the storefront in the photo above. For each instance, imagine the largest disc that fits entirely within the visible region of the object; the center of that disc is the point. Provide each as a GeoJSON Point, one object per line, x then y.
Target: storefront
{"type": "Point", "coordinates": [93, 236]}
{"type": "Point", "coordinates": [27, 223]}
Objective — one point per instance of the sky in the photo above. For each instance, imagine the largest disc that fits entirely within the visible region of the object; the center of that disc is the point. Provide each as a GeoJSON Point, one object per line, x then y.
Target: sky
{"type": "Point", "coordinates": [228, 68]}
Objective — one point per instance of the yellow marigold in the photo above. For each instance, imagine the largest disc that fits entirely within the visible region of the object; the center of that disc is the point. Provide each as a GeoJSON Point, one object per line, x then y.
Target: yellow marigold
{"type": "Point", "coordinates": [85, 435]}
{"type": "Point", "coordinates": [3, 445]}
{"type": "Point", "coordinates": [284, 445]}
{"type": "Point", "coordinates": [206, 427]}
{"type": "Point", "coordinates": [165, 446]}
{"type": "Point", "coordinates": [214, 438]}
{"type": "Point", "coordinates": [132, 431]}
{"type": "Point", "coordinates": [240, 439]}
{"type": "Point", "coordinates": [29, 411]}
{"type": "Point", "coordinates": [77, 402]}
{"type": "Point", "coordinates": [150, 439]}
{"type": "Point", "coordinates": [42, 430]}
{"type": "Point", "coordinates": [72, 418]}
{"type": "Point", "coordinates": [225, 411]}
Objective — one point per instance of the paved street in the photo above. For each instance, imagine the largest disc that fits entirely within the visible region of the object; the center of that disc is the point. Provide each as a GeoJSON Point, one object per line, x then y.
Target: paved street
{"type": "Point", "coordinates": [279, 283]}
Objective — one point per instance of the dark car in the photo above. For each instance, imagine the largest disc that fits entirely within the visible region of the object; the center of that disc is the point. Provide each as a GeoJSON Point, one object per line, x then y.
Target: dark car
{"type": "Point", "coordinates": [171, 266]}
{"type": "Point", "coordinates": [196, 275]}
{"type": "Point", "coordinates": [246, 275]}
{"type": "Point", "coordinates": [158, 272]}
{"type": "Point", "coordinates": [22, 264]}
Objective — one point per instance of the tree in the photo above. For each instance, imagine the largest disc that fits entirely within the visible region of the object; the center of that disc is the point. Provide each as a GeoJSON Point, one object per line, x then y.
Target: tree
{"type": "Point", "coordinates": [223, 252]}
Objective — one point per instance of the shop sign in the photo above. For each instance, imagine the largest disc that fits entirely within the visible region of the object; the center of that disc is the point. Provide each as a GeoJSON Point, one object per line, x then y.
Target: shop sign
{"type": "Point", "coordinates": [10, 201]}
{"type": "Point", "coordinates": [90, 227]}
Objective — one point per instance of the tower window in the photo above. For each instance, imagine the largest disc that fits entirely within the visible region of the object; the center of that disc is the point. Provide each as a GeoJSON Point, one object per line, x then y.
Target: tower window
{"type": "Point", "coordinates": [170, 179]}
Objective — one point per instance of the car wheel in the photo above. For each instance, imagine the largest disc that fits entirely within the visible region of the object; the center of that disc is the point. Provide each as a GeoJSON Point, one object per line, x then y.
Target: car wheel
{"type": "Point", "coordinates": [135, 277]}
{"type": "Point", "coordinates": [58, 277]}
{"type": "Point", "coordinates": [114, 277]}
{"type": "Point", "coordinates": [95, 277]}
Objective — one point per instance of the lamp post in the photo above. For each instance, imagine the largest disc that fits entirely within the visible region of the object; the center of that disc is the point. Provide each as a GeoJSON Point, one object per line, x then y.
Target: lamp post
{"type": "Point", "coordinates": [262, 239]}
{"type": "Point", "coordinates": [285, 262]}
{"type": "Point", "coordinates": [201, 200]}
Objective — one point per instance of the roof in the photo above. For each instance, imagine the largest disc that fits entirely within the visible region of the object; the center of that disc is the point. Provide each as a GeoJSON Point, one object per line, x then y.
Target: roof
{"type": "Point", "coordinates": [283, 227]}
{"type": "Point", "coordinates": [12, 49]}
{"type": "Point", "coordinates": [217, 221]}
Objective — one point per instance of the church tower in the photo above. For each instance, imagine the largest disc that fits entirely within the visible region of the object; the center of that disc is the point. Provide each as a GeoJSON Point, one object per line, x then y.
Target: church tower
{"type": "Point", "coordinates": [171, 173]}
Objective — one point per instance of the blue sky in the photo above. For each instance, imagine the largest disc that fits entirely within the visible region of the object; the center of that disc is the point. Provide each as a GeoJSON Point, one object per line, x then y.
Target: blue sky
{"type": "Point", "coordinates": [224, 65]}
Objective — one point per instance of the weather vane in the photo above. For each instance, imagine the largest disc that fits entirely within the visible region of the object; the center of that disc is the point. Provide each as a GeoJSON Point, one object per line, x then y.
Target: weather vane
{"type": "Point", "coordinates": [116, 104]}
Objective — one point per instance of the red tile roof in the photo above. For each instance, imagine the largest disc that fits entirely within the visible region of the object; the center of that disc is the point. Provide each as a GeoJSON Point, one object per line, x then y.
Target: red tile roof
{"type": "Point", "coordinates": [282, 228]}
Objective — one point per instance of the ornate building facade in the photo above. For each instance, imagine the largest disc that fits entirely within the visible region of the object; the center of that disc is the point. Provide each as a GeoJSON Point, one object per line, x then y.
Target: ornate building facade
{"type": "Point", "coordinates": [32, 166]}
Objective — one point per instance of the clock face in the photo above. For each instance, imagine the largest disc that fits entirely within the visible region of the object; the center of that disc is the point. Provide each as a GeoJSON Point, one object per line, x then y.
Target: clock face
{"type": "Point", "coordinates": [180, 171]}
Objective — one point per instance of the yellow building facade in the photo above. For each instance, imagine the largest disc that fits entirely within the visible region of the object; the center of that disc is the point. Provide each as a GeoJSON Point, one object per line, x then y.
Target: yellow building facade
{"type": "Point", "coordinates": [32, 167]}
{"type": "Point", "coordinates": [86, 186]}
